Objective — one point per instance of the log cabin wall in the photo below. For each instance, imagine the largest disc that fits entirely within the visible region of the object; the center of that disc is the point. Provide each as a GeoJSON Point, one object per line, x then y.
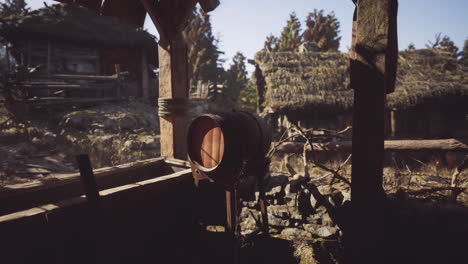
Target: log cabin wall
{"type": "Point", "coordinates": [58, 57]}
{"type": "Point", "coordinates": [129, 60]}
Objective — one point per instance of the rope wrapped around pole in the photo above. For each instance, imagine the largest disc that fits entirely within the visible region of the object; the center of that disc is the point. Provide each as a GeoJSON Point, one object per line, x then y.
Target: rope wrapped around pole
{"type": "Point", "coordinates": [172, 106]}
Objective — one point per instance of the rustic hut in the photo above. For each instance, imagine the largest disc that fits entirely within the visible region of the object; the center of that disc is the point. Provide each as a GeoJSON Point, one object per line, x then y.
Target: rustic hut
{"type": "Point", "coordinates": [72, 39]}
{"type": "Point", "coordinates": [312, 88]}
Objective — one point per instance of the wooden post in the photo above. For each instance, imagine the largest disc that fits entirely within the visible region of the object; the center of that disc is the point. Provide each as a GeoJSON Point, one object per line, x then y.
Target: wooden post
{"type": "Point", "coordinates": [373, 71]}
{"type": "Point", "coordinates": [144, 75]}
{"type": "Point", "coordinates": [173, 83]}
{"type": "Point", "coordinates": [89, 183]}
{"type": "Point", "coordinates": [170, 18]}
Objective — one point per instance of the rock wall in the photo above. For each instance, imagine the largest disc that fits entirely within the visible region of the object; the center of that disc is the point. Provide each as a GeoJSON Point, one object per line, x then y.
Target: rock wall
{"type": "Point", "coordinates": [294, 211]}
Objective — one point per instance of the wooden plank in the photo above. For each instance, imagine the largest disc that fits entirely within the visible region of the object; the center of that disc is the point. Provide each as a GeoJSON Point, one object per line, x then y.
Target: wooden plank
{"type": "Point", "coordinates": [61, 186]}
{"type": "Point", "coordinates": [389, 146]}
{"type": "Point", "coordinates": [108, 195]}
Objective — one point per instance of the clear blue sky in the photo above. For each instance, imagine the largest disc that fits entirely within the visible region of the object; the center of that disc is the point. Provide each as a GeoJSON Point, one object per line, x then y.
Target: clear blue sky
{"type": "Point", "coordinates": [242, 25]}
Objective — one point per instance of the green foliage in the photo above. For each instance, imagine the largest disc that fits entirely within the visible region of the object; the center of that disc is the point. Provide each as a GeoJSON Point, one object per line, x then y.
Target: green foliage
{"type": "Point", "coordinates": [13, 7]}
{"type": "Point", "coordinates": [322, 30]}
{"type": "Point", "coordinates": [411, 47]}
{"type": "Point", "coordinates": [448, 45]}
{"type": "Point", "coordinates": [236, 79]}
{"type": "Point", "coordinates": [271, 43]}
{"type": "Point", "coordinates": [10, 8]}
{"type": "Point", "coordinates": [203, 52]}
{"type": "Point", "coordinates": [291, 37]}
{"type": "Point", "coordinates": [445, 44]}
{"type": "Point", "coordinates": [248, 97]}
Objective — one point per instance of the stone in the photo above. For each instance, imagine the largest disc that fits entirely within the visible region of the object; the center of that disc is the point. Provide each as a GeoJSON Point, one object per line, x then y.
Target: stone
{"type": "Point", "coordinates": [25, 148]}
{"type": "Point", "coordinates": [77, 120]}
{"type": "Point", "coordinates": [110, 125]}
{"type": "Point", "coordinates": [128, 123]}
{"type": "Point", "coordinates": [294, 233]}
{"type": "Point", "coordinates": [346, 196]}
{"type": "Point", "coordinates": [278, 222]}
{"type": "Point", "coordinates": [248, 225]}
{"type": "Point", "coordinates": [326, 220]}
{"type": "Point", "coordinates": [324, 189]}
{"type": "Point", "coordinates": [49, 138]}
{"type": "Point", "coordinates": [274, 192]}
{"type": "Point", "coordinates": [320, 230]}
{"type": "Point", "coordinates": [313, 202]}
{"type": "Point", "coordinates": [337, 198]}
{"type": "Point", "coordinates": [132, 145]}
{"type": "Point", "coordinates": [279, 210]}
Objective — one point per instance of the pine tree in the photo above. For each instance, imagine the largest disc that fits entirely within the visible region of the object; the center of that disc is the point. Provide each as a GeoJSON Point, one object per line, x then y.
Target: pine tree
{"type": "Point", "coordinates": [464, 53]}
{"type": "Point", "coordinates": [203, 52]}
{"type": "Point", "coordinates": [322, 30]}
{"type": "Point", "coordinates": [236, 79]}
{"type": "Point", "coordinates": [13, 7]}
{"type": "Point", "coordinates": [9, 8]}
{"type": "Point", "coordinates": [291, 37]}
{"type": "Point", "coordinates": [271, 43]}
{"type": "Point", "coordinates": [248, 97]}
{"type": "Point", "coordinates": [448, 45]}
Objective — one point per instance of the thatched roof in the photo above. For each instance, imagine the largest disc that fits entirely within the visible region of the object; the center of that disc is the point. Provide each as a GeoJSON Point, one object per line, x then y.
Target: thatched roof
{"type": "Point", "coordinates": [320, 81]}
{"type": "Point", "coordinates": [76, 24]}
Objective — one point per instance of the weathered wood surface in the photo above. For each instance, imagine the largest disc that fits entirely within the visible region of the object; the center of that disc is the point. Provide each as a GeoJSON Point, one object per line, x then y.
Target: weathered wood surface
{"type": "Point", "coordinates": [173, 83]}
{"type": "Point", "coordinates": [137, 217]}
{"type": "Point", "coordinates": [389, 146]}
{"type": "Point", "coordinates": [61, 186]}
{"type": "Point", "coordinates": [372, 75]}
{"type": "Point", "coordinates": [42, 209]}
{"type": "Point", "coordinates": [170, 18]}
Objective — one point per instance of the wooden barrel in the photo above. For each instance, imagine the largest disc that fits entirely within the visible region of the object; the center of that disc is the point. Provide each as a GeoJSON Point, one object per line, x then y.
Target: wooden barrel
{"type": "Point", "coordinates": [219, 144]}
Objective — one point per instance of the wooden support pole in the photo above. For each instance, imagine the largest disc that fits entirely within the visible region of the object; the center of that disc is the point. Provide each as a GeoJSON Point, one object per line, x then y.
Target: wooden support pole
{"type": "Point", "coordinates": [173, 84]}
{"type": "Point", "coordinates": [373, 72]}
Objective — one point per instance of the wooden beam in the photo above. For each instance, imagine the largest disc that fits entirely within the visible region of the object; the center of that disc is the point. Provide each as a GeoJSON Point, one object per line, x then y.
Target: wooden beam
{"type": "Point", "coordinates": [372, 76]}
{"type": "Point", "coordinates": [208, 5]}
{"type": "Point", "coordinates": [173, 83]}
{"type": "Point", "coordinates": [163, 40]}
{"type": "Point", "coordinates": [389, 146]}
